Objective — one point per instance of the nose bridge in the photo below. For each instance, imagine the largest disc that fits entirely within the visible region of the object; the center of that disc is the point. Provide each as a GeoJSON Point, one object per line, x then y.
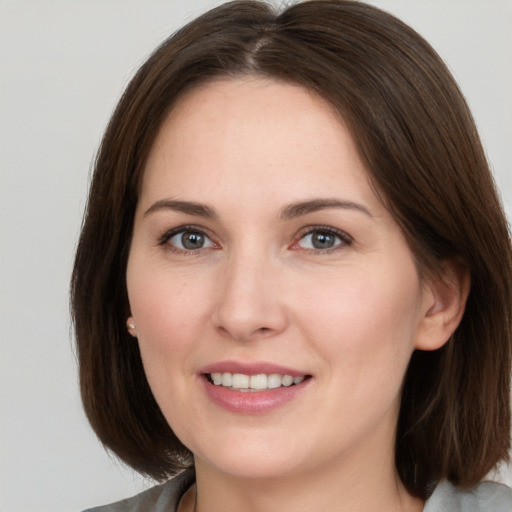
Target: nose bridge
{"type": "Point", "coordinates": [249, 302]}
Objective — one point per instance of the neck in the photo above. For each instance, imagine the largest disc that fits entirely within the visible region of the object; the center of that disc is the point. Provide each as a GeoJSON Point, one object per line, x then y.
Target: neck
{"type": "Point", "coordinates": [341, 487]}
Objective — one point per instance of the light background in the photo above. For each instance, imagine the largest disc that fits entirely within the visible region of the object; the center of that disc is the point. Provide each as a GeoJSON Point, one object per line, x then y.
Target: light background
{"type": "Point", "coordinates": [63, 65]}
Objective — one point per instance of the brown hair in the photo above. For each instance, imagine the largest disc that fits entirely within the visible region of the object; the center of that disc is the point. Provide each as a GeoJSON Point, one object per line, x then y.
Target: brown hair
{"type": "Point", "coordinates": [417, 137]}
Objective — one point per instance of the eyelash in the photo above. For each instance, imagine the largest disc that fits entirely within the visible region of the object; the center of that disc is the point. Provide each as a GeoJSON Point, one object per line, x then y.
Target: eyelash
{"type": "Point", "coordinates": [345, 239]}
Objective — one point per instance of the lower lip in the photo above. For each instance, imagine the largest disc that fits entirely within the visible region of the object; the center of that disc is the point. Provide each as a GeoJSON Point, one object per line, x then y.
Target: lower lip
{"type": "Point", "coordinates": [252, 402]}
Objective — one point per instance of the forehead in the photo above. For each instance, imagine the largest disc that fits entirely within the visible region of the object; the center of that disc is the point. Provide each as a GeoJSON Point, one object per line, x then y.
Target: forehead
{"type": "Point", "coordinates": [258, 96]}
{"type": "Point", "coordinates": [252, 132]}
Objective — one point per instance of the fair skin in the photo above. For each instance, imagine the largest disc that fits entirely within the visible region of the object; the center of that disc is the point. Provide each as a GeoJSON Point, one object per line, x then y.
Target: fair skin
{"type": "Point", "coordinates": [260, 246]}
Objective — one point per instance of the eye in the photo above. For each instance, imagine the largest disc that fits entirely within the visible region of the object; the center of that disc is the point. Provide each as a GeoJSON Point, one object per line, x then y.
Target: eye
{"type": "Point", "coordinates": [323, 239]}
{"type": "Point", "coordinates": [187, 239]}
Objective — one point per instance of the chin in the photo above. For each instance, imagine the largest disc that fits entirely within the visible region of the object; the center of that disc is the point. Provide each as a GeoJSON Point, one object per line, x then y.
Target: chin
{"type": "Point", "coordinates": [253, 468]}
{"type": "Point", "coordinates": [253, 458]}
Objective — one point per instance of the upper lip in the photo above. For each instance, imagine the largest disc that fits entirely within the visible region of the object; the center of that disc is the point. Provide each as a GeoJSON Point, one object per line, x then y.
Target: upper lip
{"type": "Point", "coordinates": [251, 368]}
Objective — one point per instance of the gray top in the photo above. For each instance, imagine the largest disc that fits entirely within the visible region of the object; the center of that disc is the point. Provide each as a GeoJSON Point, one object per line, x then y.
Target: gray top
{"type": "Point", "coordinates": [485, 497]}
{"type": "Point", "coordinates": [161, 498]}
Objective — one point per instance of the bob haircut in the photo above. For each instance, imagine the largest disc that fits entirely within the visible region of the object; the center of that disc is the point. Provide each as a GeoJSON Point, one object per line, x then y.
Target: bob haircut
{"type": "Point", "coordinates": [418, 140]}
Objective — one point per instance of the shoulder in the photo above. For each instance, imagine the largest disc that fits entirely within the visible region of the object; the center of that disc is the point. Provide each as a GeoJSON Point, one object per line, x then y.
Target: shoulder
{"type": "Point", "coordinates": [484, 497]}
{"type": "Point", "coordinates": [160, 498]}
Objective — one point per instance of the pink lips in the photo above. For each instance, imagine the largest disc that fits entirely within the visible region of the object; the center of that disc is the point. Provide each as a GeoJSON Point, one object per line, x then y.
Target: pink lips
{"type": "Point", "coordinates": [250, 368]}
{"type": "Point", "coordinates": [251, 402]}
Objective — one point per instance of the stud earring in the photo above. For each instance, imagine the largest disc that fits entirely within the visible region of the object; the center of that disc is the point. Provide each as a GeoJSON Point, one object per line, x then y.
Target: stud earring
{"type": "Point", "coordinates": [130, 325]}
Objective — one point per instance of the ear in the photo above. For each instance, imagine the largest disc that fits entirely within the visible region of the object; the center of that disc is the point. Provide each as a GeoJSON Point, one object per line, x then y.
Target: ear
{"type": "Point", "coordinates": [445, 296]}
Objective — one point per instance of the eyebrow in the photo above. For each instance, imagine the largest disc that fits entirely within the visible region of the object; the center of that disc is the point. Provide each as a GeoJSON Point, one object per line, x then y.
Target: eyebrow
{"type": "Point", "coordinates": [300, 208]}
{"type": "Point", "coordinates": [188, 207]}
{"type": "Point", "coordinates": [290, 211]}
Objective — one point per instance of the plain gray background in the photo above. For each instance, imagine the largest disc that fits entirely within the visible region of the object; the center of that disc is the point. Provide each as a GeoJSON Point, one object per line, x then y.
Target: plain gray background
{"type": "Point", "coordinates": [63, 65]}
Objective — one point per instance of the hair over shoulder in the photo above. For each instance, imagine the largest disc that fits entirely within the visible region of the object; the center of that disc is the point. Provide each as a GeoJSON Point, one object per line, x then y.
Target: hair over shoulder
{"type": "Point", "coordinates": [417, 137]}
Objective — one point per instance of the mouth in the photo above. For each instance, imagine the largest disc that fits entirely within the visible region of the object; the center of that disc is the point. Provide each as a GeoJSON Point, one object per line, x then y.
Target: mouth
{"type": "Point", "coordinates": [253, 383]}
{"type": "Point", "coordinates": [253, 387]}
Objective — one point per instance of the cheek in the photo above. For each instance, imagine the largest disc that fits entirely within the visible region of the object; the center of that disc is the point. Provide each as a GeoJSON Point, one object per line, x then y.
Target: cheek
{"type": "Point", "coordinates": [365, 319]}
{"type": "Point", "coordinates": [170, 318]}
{"type": "Point", "coordinates": [170, 312]}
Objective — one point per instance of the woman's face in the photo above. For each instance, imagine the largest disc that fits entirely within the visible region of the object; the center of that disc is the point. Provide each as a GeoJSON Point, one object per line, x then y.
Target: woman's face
{"type": "Point", "coordinates": [261, 256]}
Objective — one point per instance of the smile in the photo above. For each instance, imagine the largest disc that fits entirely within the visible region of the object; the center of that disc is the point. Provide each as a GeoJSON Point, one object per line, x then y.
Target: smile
{"type": "Point", "coordinates": [259, 382]}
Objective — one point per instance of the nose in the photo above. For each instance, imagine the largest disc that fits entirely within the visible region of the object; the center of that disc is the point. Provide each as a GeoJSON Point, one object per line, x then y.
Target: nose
{"type": "Point", "coordinates": [250, 302]}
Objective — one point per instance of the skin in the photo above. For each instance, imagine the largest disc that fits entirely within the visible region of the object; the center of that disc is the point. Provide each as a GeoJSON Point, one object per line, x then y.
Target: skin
{"type": "Point", "coordinates": [349, 316]}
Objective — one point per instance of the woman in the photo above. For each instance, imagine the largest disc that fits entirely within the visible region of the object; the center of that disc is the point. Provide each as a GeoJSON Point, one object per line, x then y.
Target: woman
{"type": "Point", "coordinates": [293, 280]}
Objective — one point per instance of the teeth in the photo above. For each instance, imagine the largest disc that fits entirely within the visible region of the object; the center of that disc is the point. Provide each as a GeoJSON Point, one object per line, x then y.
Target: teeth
{"type": "Point", "coordinates": [256, 382]}
{"type": "Point", "coordinates": [227, 380]}
{"type": "Point", "coordinates": [240, 381]}
{"type": "Point", "coordinates": [287, 380]}
{"type": "Point", "coordinates": [274, 381]}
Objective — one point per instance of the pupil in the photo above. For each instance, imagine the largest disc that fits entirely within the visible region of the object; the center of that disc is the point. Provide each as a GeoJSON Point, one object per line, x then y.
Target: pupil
{"type": "Point", "coordinates": [192, 240]}
{"type": "Point", "coordinates": [323, 240]}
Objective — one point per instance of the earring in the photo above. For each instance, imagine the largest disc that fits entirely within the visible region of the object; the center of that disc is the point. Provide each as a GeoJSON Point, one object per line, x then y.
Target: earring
{"type": "Point", "coordinates": [130, 325]}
